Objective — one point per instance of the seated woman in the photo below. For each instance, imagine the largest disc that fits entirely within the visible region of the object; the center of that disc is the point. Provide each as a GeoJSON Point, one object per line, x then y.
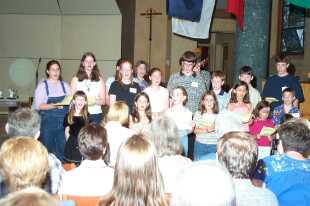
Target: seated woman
{"type": "Point", "coordinates": [93, 177]}
{"type": "Point", "coordinates": [137, 179]}
{"type": "Point", "coordinates": [164, 134]}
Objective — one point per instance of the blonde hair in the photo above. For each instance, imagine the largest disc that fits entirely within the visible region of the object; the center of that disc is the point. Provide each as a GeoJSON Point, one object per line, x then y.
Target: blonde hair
{"type": "Point", "coordinates": [31, 196]}
{"type": "Point", "coordinates": [84, 111]}
{"type": "Point", "coordinates": [137, 179]}
{"type": "Point", "coordinates": [119, 112]}
{"type": "Point", "coordinates": [238, 152]}
{"type": "Point", "coordinates": [24, 162]}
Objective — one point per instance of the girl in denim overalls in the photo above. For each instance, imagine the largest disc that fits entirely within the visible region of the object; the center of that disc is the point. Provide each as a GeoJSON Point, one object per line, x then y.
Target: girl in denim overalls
{"type": "Point", "coordinates": [48, 92]}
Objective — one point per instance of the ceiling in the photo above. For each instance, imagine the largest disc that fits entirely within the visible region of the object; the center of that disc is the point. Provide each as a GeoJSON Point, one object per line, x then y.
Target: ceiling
{"type": "Point", "coordinates": [59, 7]}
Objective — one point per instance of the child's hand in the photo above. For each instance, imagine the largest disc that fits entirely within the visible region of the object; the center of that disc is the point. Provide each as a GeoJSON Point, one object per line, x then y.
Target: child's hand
{"type": "Point", "coordinates": [210, 128]}
{"type": "Point", "coordinates": [258, 136]}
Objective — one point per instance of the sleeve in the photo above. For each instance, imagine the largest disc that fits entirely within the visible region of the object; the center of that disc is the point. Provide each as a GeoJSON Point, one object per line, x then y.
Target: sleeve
{"type": "Point", "coordinates": [138, 88]}
{"type": "Point", "coordinates": [298, 90]}
{"type": "Point", "coordinates": [40, 96]}
{"type": "Point", "coordinates": [196, 117]}
{"type": "Point", "coordinates": [113, 89]}
{"type": "Point", "coordinates": [68, 89]}
{"type": "Point", "coordinates": [267, 88]}
{"type": "Point", "coordinates": [66, 124]}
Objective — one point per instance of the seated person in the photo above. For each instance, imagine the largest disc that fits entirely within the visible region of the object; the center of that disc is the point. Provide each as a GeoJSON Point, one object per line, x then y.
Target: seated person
{"type": "Point", "coordinates": [237, 151]}
{"type": "Point", "coordinates": [204, 183]}
{"type": "Point", "coordinates": [93, 177]}
{"type": "Point", "coordinates": [288, 97]}
{"type": "Point", "coordinates": [287, 174]}
{"type": "Point", "coordinates": [26, 122]}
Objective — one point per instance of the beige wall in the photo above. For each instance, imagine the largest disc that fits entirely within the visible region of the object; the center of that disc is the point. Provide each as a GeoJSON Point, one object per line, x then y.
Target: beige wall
{"type": "Point", "coordinates": [61, 37]}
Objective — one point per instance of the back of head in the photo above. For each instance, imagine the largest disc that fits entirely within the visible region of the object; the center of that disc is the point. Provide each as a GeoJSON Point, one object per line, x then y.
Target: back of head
{"type": "Point", "coordinates": [24, 162]}
{"type": "Point", "coordinates": [31, 196]}
{"type": "Point", "coordinates": [137, 179]}
{"type": "Point", "coordinates": [23, 122]}
{"type": "Point", "coordinates": [92, 141]}
{"type": "Point", "coordinates": [237, 151]}
{"type": "Point", "coordinates": [118, 112]}
{"type": "Point", "coordinates": [164, 134]}
{"type": "Point", "coordinates": [204, 183]}
{"type": "Point", "coordinates": [295, 136]}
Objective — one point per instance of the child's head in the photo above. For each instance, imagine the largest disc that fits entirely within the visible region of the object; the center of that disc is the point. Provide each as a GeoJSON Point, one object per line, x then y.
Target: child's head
{"type": "Point", "coordinates": [240, 92]}
{"type": "Point", "coordinates": [262, 110]}
{"type": "Point", "coordinates": [155, 76]}
{"type": "Point", "coordinates": [288, 96]}
{"type": "Point", "coordinates": [142, 104]}
{"type": "Point", "coordinates": [209, 102]}
{"type": "Point", "coordinates": [88, 68]}
{"type": "Point", "coordinates": [125, 70]}
{"type": "Point", "coordinates": [179, 96]}
{"type": "Point", "coordinates": [282, 63]}
{"type": "Point", "coordinates": [217, 80]}
{"type": "Point", "coordinates": [141, 69]}
{"type": "Point", "coordinates": [187, 63]}
{"type": "Point", "coordinates": [78, 104]}
{"type": "Point", "coordinates": [246, 74]}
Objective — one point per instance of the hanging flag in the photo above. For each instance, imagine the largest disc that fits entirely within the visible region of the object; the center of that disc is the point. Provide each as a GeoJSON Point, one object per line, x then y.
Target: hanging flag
{"type": "Point", "coordinates": [185, 9]}
{"type": "Point", "coordinates": [301, 3]}
{"type": "Point", "coordinates": [236, 7]}
{"type": "Point", "coordinates": [199, 30]}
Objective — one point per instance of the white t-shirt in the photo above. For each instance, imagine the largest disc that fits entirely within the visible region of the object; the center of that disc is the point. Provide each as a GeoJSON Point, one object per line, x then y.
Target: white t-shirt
{"type": "Point", "coordinates": [158, 98]}
{"type": "Point", "coordinates": [181, 116]}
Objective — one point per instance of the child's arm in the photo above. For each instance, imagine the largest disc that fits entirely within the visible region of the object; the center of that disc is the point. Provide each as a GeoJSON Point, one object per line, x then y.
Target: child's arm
{"type": "Point", "coordinates": [67, 132]}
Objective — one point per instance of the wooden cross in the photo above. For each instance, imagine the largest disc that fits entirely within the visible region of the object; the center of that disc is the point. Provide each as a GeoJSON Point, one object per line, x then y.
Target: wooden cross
{"type": "Point", "coordinates": [149, 14]}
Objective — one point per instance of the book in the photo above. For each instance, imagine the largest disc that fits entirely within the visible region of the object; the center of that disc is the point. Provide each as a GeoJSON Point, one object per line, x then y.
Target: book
{"type": "Point", "coordinates": [91, 100]}
{"type": "Point", "coordinates": [267, 131]}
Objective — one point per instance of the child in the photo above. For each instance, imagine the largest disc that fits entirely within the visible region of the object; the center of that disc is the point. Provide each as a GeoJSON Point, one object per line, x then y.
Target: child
{"type": "Point", "coordinates": [141, 71]}
{"type": "Point", "coordinates": [288, 97]}
{"type": "Point", "coordinates": [204, 119]}
{"type": "Point", "coordinates": [141, 115]}
{"type": "Point", "coordinates": [159, 96]}
{"type": "Point", "coordinates": [217, 81]}
{"type": "Point", "coordinates": [261, 115]}
{"type": "Point", "coordinates": [246, 75]}
{"type": "Point", "coordinates": [239, 103]}
{"type": "Point", "coordinates": [76, 118]}
{"type": "Point", "coordinates": [181, 115]}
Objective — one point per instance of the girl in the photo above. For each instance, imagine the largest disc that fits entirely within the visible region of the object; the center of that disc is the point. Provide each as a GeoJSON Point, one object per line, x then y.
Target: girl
{"type": "Point", "coordinates": [181, 115]}
{"type": "Point", "coordinates": [89, 80]}
{"type": "Point", "coordinates": [261, 115]}
{"type": "Point", "coordinates": [141, 71]}
{"type": "Point", "coordinates": [76, 118]}
{"type": "Point", "coordinates": [204, 119]}
{"type": "Point", "coordinates": [124, 89]}
{"type": "Point", "coordinates": [159, 96]}
{"type": "Point", "coordinates": [47, 94]}
{"type": "Point", "coordinates": [141, 115]}
{"type": "Point", "coordinates": [240, 103]}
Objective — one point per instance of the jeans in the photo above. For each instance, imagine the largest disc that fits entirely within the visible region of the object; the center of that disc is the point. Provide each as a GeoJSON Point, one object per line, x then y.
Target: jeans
{"type": "Point", "coordinates": [204, 151]}
{"type": "Point", "coordinates": [96, 118]}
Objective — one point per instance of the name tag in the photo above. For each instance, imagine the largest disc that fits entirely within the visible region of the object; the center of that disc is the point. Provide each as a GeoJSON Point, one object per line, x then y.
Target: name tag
{"type": "Point", "coordinates": [194, 84]}
{"type": "Point", "coordinates": [132, 90]}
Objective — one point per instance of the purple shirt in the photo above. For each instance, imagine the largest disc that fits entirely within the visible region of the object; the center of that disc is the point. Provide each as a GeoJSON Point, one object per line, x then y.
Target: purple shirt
{"type": "Point", "coordinates": [55, 90]}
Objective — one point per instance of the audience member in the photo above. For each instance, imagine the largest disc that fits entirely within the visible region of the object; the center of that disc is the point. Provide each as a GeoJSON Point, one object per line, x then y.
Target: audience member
{"type": "Point", "coordinates": [164, 135]}
{"type": "Point", "coordinates": [287, 174]}
{"type": "Point", "coordinates": [93, 177]}
{"type": "Point", "coordinates": [204, 183]}
{"type": "Point", "coordinates": [137, 179]}
{"type": "Point", "coordinates": [237, 151]}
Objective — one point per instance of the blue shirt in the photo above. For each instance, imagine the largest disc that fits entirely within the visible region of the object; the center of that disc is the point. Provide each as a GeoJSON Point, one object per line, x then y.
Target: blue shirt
{"type": "Point", "coordinates": [287, 178]}
{"type": "Point", "coordinates": [275, 84]}
{"type": "Point", "coordinates": [278, 114]}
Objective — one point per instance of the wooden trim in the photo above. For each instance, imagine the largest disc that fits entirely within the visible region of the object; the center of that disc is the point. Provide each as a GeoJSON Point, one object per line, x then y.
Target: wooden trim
{"type": "Point", "coordinates": [222, 13]}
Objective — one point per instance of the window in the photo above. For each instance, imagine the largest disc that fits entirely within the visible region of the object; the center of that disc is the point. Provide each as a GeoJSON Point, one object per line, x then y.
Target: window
{"type": "Point", "coordinates": [292, 29]}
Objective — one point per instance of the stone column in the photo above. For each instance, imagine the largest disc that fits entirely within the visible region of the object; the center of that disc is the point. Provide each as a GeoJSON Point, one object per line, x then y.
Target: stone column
{"type": "Point", "coordinates": [252, 43]}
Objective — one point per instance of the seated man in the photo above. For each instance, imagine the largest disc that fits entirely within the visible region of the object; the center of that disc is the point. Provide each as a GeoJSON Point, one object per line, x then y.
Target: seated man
{"type": "Point", "coordinates": [287, 174]}
{"type": "Point", "coordinates": [26, 122]}
{"type": "Point", "coordinates": [237, 151]}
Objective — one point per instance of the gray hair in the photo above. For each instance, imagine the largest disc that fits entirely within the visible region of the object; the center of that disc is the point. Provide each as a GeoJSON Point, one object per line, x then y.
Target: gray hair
{"type": "Point", "coordinates": [204, 183]}
{"type": "Point", "coordinates": [164, 134]}
{"type": "Point", "coordinates": [23, 122]}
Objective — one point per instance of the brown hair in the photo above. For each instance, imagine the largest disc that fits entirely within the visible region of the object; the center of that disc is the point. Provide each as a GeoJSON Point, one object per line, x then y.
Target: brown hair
{"type": "Point", "coordinates": [188, 56]}
{"type": "Point", "coordinates": [81, 74]}
{"type": "Point", "coordinates": [123, 61]}
{"type": "Point", "coordinates": [135, 113]}
{"type": "Point", "coordinates": [84, 112]}
{"type": "Point", "coordinates": [48, 66]}
{"type": "Point", "coordinates": [260, 105]}
{"type": "Point", "coordinates": [281, 58]}
{"type": "Point", "coordinates": [215, 108]}
{"type": "Point", "coordinates": [233, 97]}
{"type": "Point", "coordinates": [147, 68]}
{"type": "Point", "coordinates": [184, 93]}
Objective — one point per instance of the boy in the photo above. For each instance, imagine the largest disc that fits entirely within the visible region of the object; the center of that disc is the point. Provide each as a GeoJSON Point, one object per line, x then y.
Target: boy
{"type": "Point", "coordinates": [246, 75]}
{"type": "Point", "coordinates": [217, 81]}
{"type": "Point", "coordinates": [288, 98]}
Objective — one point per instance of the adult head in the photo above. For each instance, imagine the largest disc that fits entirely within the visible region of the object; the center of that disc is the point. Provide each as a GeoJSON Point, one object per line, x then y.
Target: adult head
{"type": "Point", "coordinates": [282, 63]}
{"type": "Point", "coordinates": [23, 122]}
{"type": "Point", "coordinates": [93, 143]}
{"type": "Point", "coordinates": [53, 70]}
{"type": "Point", "coordinates": [88, 68]}
{"type": "Point", "coordinates": [294, 136]}
{"type": "Point", "coordinates": [164, 134]}
{"type": "Point", "coordinates": [24, 163]}
{"type": "Point", "coordinates": [237, 151]}
{"type": "Point", "coordinates": [187, 63]}
{"type": "Point", "coordinates": [119, 112]}
{"type": "Point", "coordinates": [204, 183]}
{"type": "Point", "coordinates": [137, 179]}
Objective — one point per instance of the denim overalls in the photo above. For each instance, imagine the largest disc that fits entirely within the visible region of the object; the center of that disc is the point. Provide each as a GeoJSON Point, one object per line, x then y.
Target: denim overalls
{"type": "Point", "coordinates": [52, 129]}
